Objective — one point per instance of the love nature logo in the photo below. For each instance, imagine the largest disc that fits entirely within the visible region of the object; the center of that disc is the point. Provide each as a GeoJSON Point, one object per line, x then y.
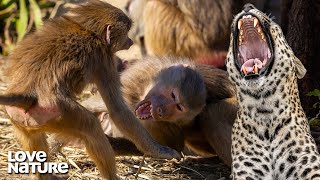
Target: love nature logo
{"type": "Point", "coordinates": [24, 162]}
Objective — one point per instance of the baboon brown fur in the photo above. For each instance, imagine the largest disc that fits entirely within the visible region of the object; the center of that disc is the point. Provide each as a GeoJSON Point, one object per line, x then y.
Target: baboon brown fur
{"type": "Point", "coordinates": [197, 30]}
{"type": "Point", "coordinates": [155, 88]}
{"type": "Point", "coordinates": [134, 9]}
{"type": "Point", "coordinates": [50, 67]}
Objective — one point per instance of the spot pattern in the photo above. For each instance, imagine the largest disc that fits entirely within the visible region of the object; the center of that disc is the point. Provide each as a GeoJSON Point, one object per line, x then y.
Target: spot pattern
{"type": "Point", "coordinates": [271, 137]}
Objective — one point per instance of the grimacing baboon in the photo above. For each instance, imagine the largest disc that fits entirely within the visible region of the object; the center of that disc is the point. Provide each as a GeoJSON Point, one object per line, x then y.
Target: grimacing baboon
{"type": "Point", "coordinates": [181, 104]}
{"type": "Point", "coordinates": [197, 30]}
{"type": "Point", "coordinates": [50, 67]}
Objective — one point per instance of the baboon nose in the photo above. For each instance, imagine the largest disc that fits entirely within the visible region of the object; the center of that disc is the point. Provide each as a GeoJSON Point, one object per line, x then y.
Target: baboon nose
{"type": "Point", "coordinates": [159, 112]}
{"type": "Point", "coordinates": [130, 43]}
{"type": "Point", "coordinates": [247, 7]}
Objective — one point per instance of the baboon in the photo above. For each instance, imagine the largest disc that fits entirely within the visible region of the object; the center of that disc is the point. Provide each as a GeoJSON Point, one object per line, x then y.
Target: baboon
{"type": "Point", "coordinates": [197, 30]}
{"type": "Point", "coordinates": [50, 67]}
{"type": "Point", "coordinates": [134, 9]}
{"type": "Point", "coordinates": [181, 104]}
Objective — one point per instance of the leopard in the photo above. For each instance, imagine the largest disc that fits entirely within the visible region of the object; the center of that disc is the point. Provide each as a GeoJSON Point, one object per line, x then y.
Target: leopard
{"type": "Point", "coordinates": [270, 136]}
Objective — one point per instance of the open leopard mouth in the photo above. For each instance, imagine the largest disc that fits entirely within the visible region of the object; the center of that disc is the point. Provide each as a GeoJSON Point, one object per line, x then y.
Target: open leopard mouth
{"type": "Point", "coordinates": [144, 110]}
{"type": "Point", "coordinates": [253, 47]}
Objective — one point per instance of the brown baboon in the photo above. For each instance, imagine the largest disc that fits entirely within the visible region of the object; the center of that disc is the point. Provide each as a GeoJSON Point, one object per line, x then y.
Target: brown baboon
{"type": "Point", "coordinates": [195, 29]}
{"type": "Point", "coordinates": [53, 65]}
{"type": "Point", "coordinates": [135, 8]}
{"type": "Point", "coordinates": [180, 104]}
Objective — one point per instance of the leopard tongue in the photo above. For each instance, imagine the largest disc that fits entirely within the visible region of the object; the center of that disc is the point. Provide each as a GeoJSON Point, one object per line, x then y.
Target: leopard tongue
{"type": "Point", "coordinates": [251, 65]}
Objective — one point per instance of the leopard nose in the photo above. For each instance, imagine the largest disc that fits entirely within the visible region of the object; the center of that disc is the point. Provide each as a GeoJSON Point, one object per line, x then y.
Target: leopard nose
{"type": "Point", "coordinates": [247, 7]}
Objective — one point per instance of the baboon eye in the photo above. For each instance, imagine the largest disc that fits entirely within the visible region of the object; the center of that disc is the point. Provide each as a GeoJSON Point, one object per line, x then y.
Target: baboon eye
{"type": "Point", "coordinates": [173, 95]}
{"type": "Point", "coordinates": [180, 107]}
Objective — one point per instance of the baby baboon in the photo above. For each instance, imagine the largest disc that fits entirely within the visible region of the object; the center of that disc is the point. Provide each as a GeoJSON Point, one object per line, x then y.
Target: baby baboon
{"type": "Point", "coordinates": [180, 104]}
{"type": "Point", "coordinates": [53, 65]}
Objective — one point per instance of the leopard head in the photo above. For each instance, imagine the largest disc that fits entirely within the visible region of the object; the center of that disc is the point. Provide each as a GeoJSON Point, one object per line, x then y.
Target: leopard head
{"type": "Point", "coordinates": [258, 51]}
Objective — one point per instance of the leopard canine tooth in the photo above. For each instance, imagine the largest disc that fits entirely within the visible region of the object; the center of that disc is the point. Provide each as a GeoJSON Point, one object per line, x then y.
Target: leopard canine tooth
{"type": "Point", "coordinates": [244, 70]}
{"type": "Point", "coordinates": [240, 24]}
{"type": "Point", "coordinates": [255, 22]}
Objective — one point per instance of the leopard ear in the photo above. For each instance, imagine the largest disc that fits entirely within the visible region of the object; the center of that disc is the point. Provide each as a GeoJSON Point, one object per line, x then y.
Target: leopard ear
{"type": "Point", "coordinates": [300, 69]}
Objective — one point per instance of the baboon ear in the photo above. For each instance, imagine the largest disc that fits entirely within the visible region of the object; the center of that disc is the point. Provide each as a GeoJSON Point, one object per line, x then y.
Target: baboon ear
{"type": "Point", "coordinates": [108, 32]}
{"type": "Point", "coordinates": [300, 69]}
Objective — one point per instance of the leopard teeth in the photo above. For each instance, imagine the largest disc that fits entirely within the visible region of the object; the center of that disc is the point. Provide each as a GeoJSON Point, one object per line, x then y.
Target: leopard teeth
{"type": "Point", "coordinates": [255, 22]}
{"type": "Point", "coordinates": [240, 24]}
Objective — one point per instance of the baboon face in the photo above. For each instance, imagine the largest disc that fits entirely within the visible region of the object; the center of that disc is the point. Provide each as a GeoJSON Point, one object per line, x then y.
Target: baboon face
{"type": "Point", "coordinates": [178, 94]}
{"type": "Point", "coordinates": [162, 103]}
{"type": "Point", "coordinates": [119, 40]}
{"type": "Point", "coordinates": [123, 43]}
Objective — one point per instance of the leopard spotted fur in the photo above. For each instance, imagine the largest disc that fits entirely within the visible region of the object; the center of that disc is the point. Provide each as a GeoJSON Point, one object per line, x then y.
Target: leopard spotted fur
{"type": "Point", "coordinates": [270, 137]}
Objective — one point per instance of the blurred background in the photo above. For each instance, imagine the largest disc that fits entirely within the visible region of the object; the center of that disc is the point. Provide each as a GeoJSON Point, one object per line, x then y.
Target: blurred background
{"type": "Point", "coordinates": [19, 17]}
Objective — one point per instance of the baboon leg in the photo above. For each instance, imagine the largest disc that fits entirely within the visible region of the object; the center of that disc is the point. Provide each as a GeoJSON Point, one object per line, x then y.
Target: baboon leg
{"type": "Point", "coordinates": [102, 153]}
{"type": "Point", "coordinates": [79, 122]}
{"type": "Point", "coordinates": [33, 141]}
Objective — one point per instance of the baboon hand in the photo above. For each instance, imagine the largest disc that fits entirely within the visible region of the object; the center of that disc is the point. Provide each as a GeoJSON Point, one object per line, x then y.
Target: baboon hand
{"type": "Point", "coordinates": [165, 152]}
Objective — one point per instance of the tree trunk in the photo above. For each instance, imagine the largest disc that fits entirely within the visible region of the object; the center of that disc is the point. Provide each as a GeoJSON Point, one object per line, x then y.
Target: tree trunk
{"type": "Point", "coordinates": [301, 25]}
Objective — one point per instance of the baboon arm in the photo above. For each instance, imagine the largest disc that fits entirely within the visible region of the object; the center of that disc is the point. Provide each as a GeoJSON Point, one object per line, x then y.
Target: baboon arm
{"type": "Point", "coordinates": [166, 133]}
{"type": "Point", "coordinates": [123, 147]}
{"type": "Point", "coordinates": [217, 121]}
{"type": "Point", "coordinates": [109, 88]}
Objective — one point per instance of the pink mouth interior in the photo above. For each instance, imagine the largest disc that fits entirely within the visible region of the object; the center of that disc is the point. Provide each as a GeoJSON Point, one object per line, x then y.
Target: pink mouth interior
{"type": "Point", "coordinates": [143, 111]}
{"type": "Point", "coordinates": [254, 52]}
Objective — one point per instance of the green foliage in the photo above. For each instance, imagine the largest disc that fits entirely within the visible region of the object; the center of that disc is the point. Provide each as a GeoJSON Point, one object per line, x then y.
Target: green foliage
{"type": "Point", "coordinates": [17, 18]}
{"type": "Point", "coordinates": [315, 121]}
{"type": "Point", "coordinates": [36, 13]}
{"type": "Point", "coordinates": [22, 22]}
{"type": "Point", "coordinates": [315, 92]}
